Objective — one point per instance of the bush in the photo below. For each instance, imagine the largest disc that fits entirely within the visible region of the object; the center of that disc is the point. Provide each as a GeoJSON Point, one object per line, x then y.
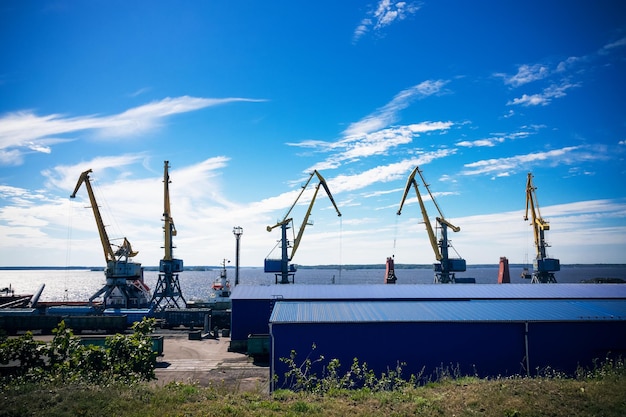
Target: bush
{"type": "Point", "coordinates": [125, 358]}
{"type": "Point", "coordinates": [300, 378]}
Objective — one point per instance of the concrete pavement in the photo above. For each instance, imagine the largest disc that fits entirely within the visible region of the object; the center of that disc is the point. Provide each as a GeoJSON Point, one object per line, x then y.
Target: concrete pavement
{"type": "Point", "coordinates": [207, 362]}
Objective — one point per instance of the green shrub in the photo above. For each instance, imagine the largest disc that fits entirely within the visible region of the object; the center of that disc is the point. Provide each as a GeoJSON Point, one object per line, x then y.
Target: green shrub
{"type": "Point", "coordinates": [125, 358]}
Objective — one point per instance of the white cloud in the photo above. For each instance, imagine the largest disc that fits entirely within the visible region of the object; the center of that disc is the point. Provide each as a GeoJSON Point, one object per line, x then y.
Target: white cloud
{"type": "Point", "coordinates": [388, 114]}
{"type": "Point", "coordinates": [385, 173]}
{"type": "Point", "coordinates": [385, 13]}
{"type": "Point", "coordinates": [568, 63]}
{"type": "Point", "coordinates": [64, 177]}
{"type": "Point", "coordinates": [372, 135]}
{"type": "Point", "coordinates": [140, 92]}
{"type": "Point", "coordinates": [499, 138]}
{"type": "Point", "coordinates": [356, 147]}
{"type": "Point", "coordinates": [525, 74]}
{"type": "Point", "coordinates": [24, 130]}
{"type": "Point", "coordinates": [544, 98]}
{"type": "Point", "coordinates": [568, 155]}
{"type": "Point", "coordinates": [11, 157]}
{"type": "Point", "coordinates": [617, 44]}
{"type": "Point", "coordinates": [491, 142]}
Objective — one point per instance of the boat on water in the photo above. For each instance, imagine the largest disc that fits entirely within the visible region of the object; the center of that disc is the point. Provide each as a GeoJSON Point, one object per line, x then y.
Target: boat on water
{"type": "Point", "coordinates": [9, 299]}
{"type": "Point", "coordinates": [219, 296]}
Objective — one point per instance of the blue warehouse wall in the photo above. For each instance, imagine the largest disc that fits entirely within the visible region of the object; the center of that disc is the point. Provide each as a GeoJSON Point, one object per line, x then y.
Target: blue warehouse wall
{"type": "Point", "coordinates": [477, 348]}
{"type": "Point", "coordinates": [250, 317]}
{"type": "Point", "coordinates": [566, 345]}
{"type": "Point", "coordinates": [466, 348]}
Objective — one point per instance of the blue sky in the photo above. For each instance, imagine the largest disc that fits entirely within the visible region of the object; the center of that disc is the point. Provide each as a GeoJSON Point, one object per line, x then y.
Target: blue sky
{"type": "Point", "coordinates": [246, 99]}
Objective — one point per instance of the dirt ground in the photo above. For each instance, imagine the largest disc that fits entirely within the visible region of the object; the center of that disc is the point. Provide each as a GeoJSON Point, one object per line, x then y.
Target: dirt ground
{"type": "Point", "coordinates": [208, 362]}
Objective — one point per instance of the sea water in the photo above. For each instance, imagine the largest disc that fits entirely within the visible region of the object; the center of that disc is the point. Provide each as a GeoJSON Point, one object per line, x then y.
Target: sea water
{"type": "Point", "coordinates": [80, 284]}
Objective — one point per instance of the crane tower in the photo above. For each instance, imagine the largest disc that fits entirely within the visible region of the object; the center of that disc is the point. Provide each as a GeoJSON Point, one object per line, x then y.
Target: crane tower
{"type": "Point", "coordinates": [543, 266]}
{"type": "Point", "coordinates": [445, 267]}
{"type": "Point", "coordinates": [168, 293]}
{"type": "Point", "coordinates": [124, 287]}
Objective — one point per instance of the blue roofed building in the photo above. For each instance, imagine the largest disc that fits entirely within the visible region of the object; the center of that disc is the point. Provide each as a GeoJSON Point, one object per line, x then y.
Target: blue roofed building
{"type": "Point", "coordinates": [482, 337]}
{"type": "Point", "coordinates": [253, 305]}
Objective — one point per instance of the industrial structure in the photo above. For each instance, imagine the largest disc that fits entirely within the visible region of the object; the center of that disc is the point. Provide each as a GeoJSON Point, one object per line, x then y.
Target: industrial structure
{"type": "Point", "coordinates": [543, 266]}
{"type": "Point", "coordinates": [237, 231]}
{"type": "Point", "coordinates": [252, 305]}
{"type": "Point", "coordinates": [445, 267]}
{"type": "Point", "coordinates": [390, 273]}
{"type": "Point", "coordinates": [282, 267]}
{"type": "Point", "coordinates": [124, 287]}
{"type": "Point", "coordinates": [167, 293]}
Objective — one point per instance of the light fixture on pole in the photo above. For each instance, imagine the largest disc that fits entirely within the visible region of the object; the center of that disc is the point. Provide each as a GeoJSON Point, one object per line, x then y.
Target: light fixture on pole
{"type": "Point", "coordinates": [237, 231]}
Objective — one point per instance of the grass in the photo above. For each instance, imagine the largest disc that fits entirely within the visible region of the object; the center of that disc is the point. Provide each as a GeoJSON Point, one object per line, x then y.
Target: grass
{"type": "Point", "coordinates": [595, 395]}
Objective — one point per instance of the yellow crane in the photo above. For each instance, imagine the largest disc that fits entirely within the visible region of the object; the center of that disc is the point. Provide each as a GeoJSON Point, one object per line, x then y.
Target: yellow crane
{"type": "Point", "coordinates": [167, 292]}
{"type": "Point", "coordinates": [281, 267]}
{"type": "Point", "coordinates": [446, 267]}
{"type": "Point", "coordinates": [124, 285]}
{"type": "Point", "coordinates": [543, 266]}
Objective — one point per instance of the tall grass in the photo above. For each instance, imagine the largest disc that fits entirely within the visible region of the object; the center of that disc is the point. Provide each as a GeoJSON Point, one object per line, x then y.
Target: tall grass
{"type": "Point", "coordinates": [593, 392]}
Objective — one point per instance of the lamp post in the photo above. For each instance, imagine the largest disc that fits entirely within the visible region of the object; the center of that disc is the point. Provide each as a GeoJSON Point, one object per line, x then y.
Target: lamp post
{"type": "Point", "coordinates": [237, 231]}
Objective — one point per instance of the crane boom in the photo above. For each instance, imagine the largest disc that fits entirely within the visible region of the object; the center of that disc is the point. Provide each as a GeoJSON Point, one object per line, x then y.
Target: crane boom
{"type": "Point", "coordinates": [445, 268]}
{"type": "Point", "coordinates": [538, 223]}
{"type": "Point", "coordinates": [429, 228]}
{"type": "Point", "coordinates": [170, 229]}
{"type": "Point", "coordinates": [305, 221]}
{"type": "Point", "coordinates": [286, 258]}
{"type": "Point", "coordinates": [109, 255]}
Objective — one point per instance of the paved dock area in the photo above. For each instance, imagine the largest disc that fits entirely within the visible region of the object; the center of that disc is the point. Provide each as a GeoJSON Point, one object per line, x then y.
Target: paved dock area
{"type": "Point", "coordinates": [205, 362]}
{"type": "Point", "coordinates": [208, 362]}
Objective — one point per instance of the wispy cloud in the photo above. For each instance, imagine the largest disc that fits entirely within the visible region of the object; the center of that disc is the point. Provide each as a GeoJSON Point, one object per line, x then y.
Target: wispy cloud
{"type": "Point", "coordinates": [385, 173]}
{"type": "Point", "coordinates": [488, 142]}
{"type": "Point", "coordinates": [388, 114]}
{"type": "Point", "coordinates": [544, 98]}
{"type": "Point", "coordinates": [64, 177]}
{"type": "Point", "coordinates": [140, 91]}
{"type": "Point", "coordinates": [528, 73]}
{"type": "Point", "coordinates": [386, 13]}
{"type": "Point", "coordinates": [504, 166]}
{"type": "Point", "coordinates": [345, 183]}
{"type": "Point", "coordinates": [354, 148]}
{"type": "Point", "coordinates": [525, 74]}
{"type": "Point", "coordinates": [500, 138]}
{"type": "Point", "coordinates": [612, 45]}
{"type": "Point", "coordinates": [373, 134]}
{"type": "Point", "coordinates": [25, 131]}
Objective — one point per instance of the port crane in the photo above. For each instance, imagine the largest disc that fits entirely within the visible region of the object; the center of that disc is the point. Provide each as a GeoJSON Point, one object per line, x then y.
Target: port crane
{"type": "Point", "coordinates": [124, 286]}
{"type": "Point", "coordinates": [445, 267]}
{"type": "Point", "coordinates": [282, 267]}
{"type": "Point", "coordinates": [167, 293]}
{"type": "Point", "coordinates": [543, 266]}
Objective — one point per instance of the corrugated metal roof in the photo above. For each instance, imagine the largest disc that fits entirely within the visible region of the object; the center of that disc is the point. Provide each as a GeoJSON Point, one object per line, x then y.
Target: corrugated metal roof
{"type": "Point", "coordinates": [429, 291]}
{"type": "Point", "coordinates": [446, 311]}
